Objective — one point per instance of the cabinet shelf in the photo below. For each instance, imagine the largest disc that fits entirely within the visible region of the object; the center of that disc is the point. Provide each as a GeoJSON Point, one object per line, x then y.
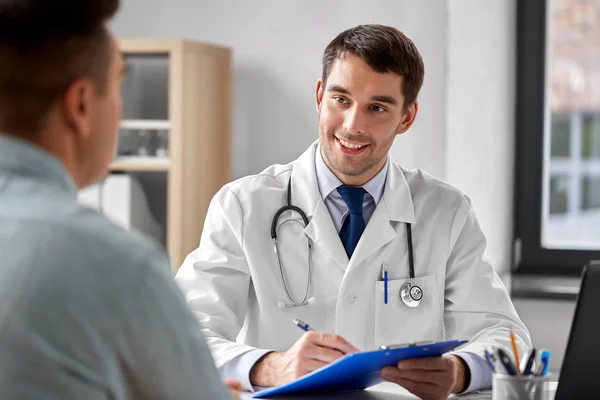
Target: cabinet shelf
{"type": "Point", "coordinates": [150, 124]}
{"type": "Point", "coordinates": [135, 163]}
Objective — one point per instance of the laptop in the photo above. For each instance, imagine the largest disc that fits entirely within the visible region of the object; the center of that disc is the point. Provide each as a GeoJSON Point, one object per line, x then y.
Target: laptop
{"type": "Point", "coordinates": [580, 372]}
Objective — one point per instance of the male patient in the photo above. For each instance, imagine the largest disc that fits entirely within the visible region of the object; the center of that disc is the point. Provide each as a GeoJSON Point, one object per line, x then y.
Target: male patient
{"type": "Point", "coordinates": [87, 311]}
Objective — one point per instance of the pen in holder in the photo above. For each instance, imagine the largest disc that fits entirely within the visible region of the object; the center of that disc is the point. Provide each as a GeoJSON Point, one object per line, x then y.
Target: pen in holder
{"type": "Point", "coordinates": [520, 387]}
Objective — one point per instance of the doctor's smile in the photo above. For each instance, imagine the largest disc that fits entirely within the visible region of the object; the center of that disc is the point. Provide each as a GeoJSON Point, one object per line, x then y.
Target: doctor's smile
{"type": "Point", "coordinates": [350, 148]}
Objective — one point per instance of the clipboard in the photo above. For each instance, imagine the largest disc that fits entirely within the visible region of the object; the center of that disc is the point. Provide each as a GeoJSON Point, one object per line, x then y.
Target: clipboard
{"type": "Point", "coordinates": [358, 371]}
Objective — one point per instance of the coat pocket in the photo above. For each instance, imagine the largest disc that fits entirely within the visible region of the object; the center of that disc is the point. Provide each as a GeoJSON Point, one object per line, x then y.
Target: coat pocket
{"type": "Point", "coordinates": [396, 323]}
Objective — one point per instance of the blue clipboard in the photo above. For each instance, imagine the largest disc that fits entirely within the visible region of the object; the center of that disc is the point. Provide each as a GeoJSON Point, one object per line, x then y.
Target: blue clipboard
{"type": "Point", "coordinates": [357, 371]}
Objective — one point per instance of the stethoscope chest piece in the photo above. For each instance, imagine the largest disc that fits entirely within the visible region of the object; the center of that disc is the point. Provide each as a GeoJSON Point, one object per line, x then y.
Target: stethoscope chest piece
{"type": "Point", "coordinates": [411, 295]}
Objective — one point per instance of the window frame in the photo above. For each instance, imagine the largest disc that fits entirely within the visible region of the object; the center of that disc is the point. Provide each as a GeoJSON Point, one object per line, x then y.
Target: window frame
{"type": "Point", "coordinates": [529, 256]}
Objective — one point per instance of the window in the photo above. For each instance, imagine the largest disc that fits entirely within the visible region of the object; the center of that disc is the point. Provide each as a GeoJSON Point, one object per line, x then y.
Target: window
{"type": "Point", "coordinates": [557, 201]}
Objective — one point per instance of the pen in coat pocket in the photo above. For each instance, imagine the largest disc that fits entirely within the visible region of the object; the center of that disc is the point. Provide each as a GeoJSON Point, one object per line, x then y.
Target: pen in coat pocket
{"type": "Point", "coordinates": [384, 276]}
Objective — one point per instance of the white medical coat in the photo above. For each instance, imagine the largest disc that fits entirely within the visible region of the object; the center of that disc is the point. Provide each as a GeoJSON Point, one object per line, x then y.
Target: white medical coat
{"type": "Point", "coordinates": [232, 282]}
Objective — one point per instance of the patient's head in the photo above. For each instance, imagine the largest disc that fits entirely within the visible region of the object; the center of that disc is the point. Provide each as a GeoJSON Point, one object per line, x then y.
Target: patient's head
{"type": "Point", "coordinates": [60, 76]}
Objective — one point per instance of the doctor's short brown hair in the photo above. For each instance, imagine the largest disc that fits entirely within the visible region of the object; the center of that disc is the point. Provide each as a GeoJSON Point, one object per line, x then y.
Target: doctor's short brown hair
{"type": "Point", "coordinates": [45, 45]}
{"type": "Point", "coordinates": [384, 49]}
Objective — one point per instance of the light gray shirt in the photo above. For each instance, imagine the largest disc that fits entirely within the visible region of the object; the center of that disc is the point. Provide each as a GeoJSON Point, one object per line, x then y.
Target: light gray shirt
{"type": "Point", "coordinates": [87, 310]}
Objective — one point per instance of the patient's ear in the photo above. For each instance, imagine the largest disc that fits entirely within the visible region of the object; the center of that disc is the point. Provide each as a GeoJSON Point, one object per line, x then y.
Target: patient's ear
{"type": "Point", "coordinates": [76, 106]}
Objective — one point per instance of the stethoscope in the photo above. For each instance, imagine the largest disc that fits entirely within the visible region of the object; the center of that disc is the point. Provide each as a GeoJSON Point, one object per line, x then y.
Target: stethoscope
{"type": "Point", "coordinates": [410, 294]}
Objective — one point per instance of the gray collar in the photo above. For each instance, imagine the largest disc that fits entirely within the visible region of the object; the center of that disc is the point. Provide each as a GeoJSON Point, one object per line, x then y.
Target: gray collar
{"type": "Point", "coordinates": [25, 158]}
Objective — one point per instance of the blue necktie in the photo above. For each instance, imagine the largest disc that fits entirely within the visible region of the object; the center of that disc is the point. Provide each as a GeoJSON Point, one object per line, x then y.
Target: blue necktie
{"type": "Point", "coordinates": [354, 225]}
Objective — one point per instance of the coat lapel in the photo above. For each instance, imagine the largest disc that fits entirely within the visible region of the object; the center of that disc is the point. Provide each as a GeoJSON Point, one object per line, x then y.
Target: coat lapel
{"type": "Point", "coordinates": [322, 232]}
{"type": "Point", "coordinates": [396, 205]}
{"type": "Point", "coordinates": [306, 195]}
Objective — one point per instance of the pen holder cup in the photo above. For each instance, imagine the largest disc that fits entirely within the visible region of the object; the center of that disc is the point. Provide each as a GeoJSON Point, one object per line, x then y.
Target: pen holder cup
{"type": "Point", "coordinates": [528, 387]}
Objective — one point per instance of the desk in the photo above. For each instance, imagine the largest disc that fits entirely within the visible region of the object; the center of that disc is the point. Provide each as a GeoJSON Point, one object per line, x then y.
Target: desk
{"type": "Point", "coordinates": [388, 391]}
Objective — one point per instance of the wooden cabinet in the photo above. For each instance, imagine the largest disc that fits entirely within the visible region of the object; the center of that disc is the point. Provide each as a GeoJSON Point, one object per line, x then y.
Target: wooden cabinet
{"type": "Point", "coordinates": [176, 127]}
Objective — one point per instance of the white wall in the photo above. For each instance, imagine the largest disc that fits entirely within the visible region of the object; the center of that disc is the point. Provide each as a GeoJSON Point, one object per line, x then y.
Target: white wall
{"type": "Point", "coordinates": [480, 115]}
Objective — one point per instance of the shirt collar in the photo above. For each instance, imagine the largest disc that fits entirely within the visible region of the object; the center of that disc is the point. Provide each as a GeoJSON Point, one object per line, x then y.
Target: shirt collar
{"type": "Point", "coordinates": [22, 157]}
{"type": "Point", "coordinates": [328, 182]}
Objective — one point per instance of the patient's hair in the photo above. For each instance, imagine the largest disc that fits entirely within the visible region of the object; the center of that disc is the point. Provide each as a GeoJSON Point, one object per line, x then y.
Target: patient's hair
{"type": "Point", "coordinates": [384, 49]}
{"type": "Point", "coordinates": [45, 45]}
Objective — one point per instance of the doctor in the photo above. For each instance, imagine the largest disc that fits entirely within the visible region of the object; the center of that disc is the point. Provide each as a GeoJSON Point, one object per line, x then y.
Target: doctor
{"type": "Point", "coordinates": [353, 216]}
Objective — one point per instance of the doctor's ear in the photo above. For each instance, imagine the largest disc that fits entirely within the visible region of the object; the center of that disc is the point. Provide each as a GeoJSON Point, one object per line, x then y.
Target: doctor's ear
{"type": "Point", "coordinates": [319, 95]}
{"type": "Point", "coordinates": [408, 117]}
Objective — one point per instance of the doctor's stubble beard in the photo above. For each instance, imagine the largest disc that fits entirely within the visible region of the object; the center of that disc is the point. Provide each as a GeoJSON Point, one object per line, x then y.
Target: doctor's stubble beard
{"type": "Point", "coordinates": [350, 170]}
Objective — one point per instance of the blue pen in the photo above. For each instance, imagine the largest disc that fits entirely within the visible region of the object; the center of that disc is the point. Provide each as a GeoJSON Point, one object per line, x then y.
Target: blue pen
{"type": "Point", "coordinates": [545, 358]}
{"type": "Point", "coordinates": [302, 325]}
{"type": "Point", "coordinates": [490, 360]}
{"type": "Point", "coordinates": [385, 283]}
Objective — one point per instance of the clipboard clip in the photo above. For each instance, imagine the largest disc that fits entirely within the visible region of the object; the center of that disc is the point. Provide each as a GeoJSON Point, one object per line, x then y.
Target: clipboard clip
{"type": "Point", "coordinates": [404, 345]}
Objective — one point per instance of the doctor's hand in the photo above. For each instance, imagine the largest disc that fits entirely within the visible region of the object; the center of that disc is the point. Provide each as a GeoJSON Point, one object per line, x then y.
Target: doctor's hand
{"type": "Point", "coordinates": [430, 378]}
{"type": "Point", "coordinates": [312, 351]}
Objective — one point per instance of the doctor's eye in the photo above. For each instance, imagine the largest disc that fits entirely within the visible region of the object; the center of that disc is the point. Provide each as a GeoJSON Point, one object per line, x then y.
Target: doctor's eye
{"type": "Point", "coordinates": [377, 108]}
{"type": "Point", "coordinates": [341, 100]}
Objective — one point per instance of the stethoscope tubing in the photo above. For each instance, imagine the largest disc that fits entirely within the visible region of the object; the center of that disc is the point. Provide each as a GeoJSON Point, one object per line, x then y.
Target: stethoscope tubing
{"type": "Point", "coordinates": [290, 207]}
